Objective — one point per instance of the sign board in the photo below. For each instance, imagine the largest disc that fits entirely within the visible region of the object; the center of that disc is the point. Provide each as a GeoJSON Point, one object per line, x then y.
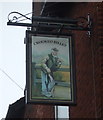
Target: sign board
{"type": "Point", "coordinates": [50, 69]}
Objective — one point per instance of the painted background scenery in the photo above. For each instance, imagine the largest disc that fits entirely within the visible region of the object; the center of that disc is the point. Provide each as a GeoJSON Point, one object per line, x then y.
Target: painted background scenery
{"type": "Point", "coordinates": [41, 47]}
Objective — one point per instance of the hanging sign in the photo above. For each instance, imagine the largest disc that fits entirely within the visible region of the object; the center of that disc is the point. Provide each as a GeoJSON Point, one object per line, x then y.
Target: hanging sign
{"type": "Point", "coordinates": [50, 69]}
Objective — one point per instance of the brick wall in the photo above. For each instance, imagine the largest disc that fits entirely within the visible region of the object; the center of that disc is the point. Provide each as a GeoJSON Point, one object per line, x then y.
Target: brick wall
{"type": "Point", "coordinates": [100, 39]}
{"type": "Point", "coordinates": [39, 111]}
{"type": "Point", "coordinates": [88, 64]}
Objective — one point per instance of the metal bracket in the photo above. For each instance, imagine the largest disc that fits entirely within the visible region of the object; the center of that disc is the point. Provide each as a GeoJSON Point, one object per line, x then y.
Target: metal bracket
{"type": "Point", "coordinates": [49, 23]}
{"type": "Point", "coordinates": [17, 17]}
{"type": "Point", "coordinates": [89, 25]}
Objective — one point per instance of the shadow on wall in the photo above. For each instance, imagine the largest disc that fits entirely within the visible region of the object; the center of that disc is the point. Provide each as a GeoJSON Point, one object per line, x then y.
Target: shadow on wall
{"type": "Point", "coordinates": [16, 110]}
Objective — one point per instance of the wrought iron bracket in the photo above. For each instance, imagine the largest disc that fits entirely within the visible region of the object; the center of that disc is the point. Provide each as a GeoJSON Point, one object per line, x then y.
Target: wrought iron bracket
{"type": "Point", "coordinates": [17, 17]}
{"type": "Point", "coordinates": [50, 23]}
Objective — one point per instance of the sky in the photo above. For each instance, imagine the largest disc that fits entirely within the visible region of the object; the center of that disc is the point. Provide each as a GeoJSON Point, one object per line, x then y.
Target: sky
{"type": "Point", "coordinates": [12, 56]}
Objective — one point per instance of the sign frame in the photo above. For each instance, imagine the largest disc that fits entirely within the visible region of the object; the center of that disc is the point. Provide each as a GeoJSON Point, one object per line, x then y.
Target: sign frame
{"type": "Point", "coordinates": [30, 71]}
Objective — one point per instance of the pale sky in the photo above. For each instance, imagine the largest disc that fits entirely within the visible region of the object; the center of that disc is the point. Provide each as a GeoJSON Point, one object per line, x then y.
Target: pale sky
{"type": "Point", "coordinates": [12, 55]}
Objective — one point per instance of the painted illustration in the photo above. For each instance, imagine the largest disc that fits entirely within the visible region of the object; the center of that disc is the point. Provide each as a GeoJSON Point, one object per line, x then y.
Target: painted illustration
{"type": "Point", "coordinates": [51, 69]}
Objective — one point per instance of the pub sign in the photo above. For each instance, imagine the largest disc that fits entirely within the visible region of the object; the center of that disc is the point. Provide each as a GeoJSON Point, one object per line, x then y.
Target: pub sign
{"type": "Point", "coordinates": [50, 69]}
